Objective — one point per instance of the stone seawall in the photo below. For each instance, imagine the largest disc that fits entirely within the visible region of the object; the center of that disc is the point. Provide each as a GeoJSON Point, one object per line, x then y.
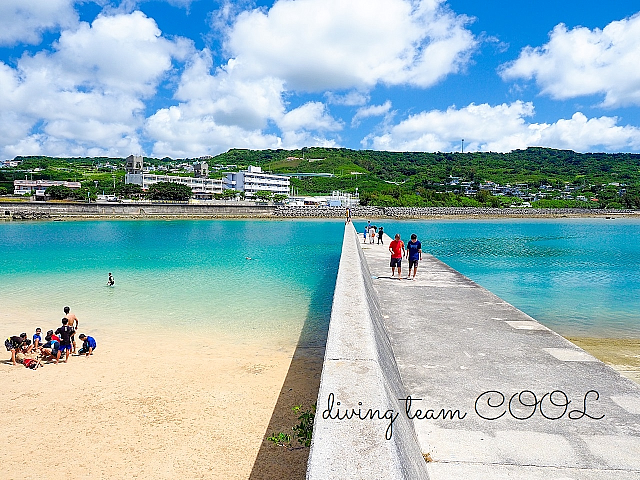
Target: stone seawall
{"type": "Point", "coordinates": [422, 212]}
{"type": "Point", "coordinates": [360, 373]}
{"type": "Point", "coordinates": [41, 210]}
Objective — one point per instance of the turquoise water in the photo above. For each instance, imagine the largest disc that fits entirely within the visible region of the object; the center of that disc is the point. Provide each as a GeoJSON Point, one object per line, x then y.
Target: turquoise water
{"type": "Point", "coordinates": [577, 276]}
{"type": "Point", "coordinates": [190, 275]}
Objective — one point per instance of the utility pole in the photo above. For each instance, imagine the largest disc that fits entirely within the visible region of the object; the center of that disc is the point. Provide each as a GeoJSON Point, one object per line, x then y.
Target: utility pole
{"type": "Point", "coordinates": [463, 145]}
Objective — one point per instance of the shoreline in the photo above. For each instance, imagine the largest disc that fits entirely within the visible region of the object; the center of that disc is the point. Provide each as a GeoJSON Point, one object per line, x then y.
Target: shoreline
{"type": "Point", "coordinates": [135, 211]}
{"type": "Point", "coordinates": [621, 354]}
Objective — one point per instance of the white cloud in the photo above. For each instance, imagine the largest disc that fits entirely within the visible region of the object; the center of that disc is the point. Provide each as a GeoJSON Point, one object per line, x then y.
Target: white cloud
{"type": "Point", "coordinates": [317, 45]}
{"type": "Point", "coordinates": [305, 45]}
{"type": "Point", "coordinates": [502, 128]}
{"type": "Point", "coordinates": [26, 20]}
{"type": "Point", "coordinates": [221, 109]}
{"type": "Point", "coordinates": [371, 111]}
{"type": "Point", "coordinates": [228, 99]}
{"type": "Point", "coordinates": [177, 135]}
{"type": "Point", "coordinates": [123, 52]}
{"type": "Point", "coordinates": [88, 93]}
{"type": "Point", "coordinates": [349, 99]}
{"type": "Point", "coordinates": [581, 62]}
{"type": "Point", "coordinates": [310, 116]}
{"type": "Point", "coordinates": [217, 111]}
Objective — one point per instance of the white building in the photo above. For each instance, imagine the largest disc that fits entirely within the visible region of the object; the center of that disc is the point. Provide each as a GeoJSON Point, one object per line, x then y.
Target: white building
{"type": "Point", "coordinates": [201, 187]}
{"type": "Point", "coordinates": [38, 187]}
{"type": "Point", "coordinates": [343, 199]}
{"type": "Point", "coordinates": [254, 180]}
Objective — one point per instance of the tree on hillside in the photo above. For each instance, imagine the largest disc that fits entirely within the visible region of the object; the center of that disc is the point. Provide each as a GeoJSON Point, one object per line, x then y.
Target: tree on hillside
{"type": "Point", "coordinates": [59, 192]}
{"type": "Point", "coordinates": [169, 191]}
{"type": "Point", "coordinates": [128, 190]}
{"type": "Point", "coordinates": [229, 194]}
{"type": "Point", "coordinates": [263, 195]}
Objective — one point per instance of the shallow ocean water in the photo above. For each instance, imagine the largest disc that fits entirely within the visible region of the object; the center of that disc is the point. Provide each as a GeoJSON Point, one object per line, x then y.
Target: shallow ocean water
{"type": "Point", "coordinates": [247, 280]}
{"type": "Point", "coordinates": [578, 276]}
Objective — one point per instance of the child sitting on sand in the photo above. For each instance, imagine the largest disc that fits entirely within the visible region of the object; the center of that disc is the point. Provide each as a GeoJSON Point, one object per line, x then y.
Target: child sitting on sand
{"type": "Point", "coordinates": [50, 348]}
{"type": "Point", "coordinates": [37, 339]}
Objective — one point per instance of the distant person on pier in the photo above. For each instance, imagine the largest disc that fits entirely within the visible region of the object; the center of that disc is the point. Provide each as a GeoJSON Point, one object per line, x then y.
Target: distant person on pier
{"type": "Point", "coordinates": [414, 253]}
{"type": "Point", "coordinates": [348, 214]}
{"type": "Point", "coordinates": [111, 282]}
{"type": "Point", "coordinates": [372, 233]}
{"type": "Point", "coordinates": [366, 229]}
{"type": "Point", "coordinates": [380, 234]}
{"type": "Point", "coordinates": [396, 247]}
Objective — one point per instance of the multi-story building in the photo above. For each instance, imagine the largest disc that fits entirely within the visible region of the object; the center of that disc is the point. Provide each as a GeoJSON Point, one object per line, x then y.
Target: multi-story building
{"type": "Point", "coordinates": [200, 186]}
{"type": "Point", "coordinates": [38, 187]}
{"type": "Point", "coordinates": [254, 180]}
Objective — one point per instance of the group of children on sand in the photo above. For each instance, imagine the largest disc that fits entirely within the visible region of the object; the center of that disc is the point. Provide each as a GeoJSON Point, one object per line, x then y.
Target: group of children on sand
{"type": "Point", "coordinates": [31, 353]}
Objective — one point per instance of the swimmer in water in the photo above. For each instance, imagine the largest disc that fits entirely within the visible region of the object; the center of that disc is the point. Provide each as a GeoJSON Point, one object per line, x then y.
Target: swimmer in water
{"type": "Point", "coordinates": [111, 281]}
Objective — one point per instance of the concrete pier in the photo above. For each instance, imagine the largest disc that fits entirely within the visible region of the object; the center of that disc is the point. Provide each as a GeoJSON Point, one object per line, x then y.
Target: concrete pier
{"type": "Point", "coordinates": [494, 394]}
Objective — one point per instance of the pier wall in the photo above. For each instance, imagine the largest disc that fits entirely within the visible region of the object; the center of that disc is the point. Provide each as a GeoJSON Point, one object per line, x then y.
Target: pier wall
{"type": "Point", "coordinates": [42, 210]}
{"type": "Point", "coordinates": [360, 372]}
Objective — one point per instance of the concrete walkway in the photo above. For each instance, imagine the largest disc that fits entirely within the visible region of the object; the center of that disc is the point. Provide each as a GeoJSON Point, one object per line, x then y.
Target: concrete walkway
{"type": "Point", "coordinates": [552, 411]}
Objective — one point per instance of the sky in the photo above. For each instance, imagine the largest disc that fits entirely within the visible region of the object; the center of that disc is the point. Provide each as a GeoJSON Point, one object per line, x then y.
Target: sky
{"type": "Point", "coordinates": [188, 78]}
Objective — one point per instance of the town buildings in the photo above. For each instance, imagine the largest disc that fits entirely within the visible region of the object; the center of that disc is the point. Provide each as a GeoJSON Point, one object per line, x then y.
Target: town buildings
{"type": "Point", "coordinates": [255, 180]}
{"type": "Point", "coordinates": [38, 187]}
{"type": "Point", "coordinates": [201, 186]}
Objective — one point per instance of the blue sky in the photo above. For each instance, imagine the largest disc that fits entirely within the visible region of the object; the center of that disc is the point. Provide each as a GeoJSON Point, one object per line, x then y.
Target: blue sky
{"type": "Point", "coordinates": [186, 78]}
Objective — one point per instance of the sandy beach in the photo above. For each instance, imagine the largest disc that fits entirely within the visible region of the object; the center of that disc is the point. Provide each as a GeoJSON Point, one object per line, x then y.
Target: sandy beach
{"type": "Point", "coordinates": [158, 409]}
{"type": "Point", "coordinates": [140, 409]}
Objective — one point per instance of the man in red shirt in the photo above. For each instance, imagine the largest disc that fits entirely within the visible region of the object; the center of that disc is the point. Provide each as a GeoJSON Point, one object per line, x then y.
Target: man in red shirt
{"type": "Point", "coordinates": [396, 247]}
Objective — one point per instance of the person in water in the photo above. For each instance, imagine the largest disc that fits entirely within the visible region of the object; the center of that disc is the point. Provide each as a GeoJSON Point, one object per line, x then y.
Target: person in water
{"type": "Point", "coordinates": [110, 281]}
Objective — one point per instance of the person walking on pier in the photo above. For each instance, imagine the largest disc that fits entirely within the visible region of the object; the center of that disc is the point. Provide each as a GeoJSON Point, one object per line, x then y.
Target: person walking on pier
{"type": "Point", "coordinates": [414, 253]}
{"type": "Point", "coordinates": [396, 247]}
{"type": "Point", "coordinates": [380, 234]}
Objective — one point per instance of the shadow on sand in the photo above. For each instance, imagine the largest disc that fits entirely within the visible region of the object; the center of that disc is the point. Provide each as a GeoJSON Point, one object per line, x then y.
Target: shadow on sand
{"type": "Point", "coordinates": [300, 387]}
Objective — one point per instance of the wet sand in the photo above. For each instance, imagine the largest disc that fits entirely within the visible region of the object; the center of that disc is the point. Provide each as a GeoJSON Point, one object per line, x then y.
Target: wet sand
{"type": "Point", "coordinates": [620, 354]}
{"type": "Point", "coordinates": [158, 407]}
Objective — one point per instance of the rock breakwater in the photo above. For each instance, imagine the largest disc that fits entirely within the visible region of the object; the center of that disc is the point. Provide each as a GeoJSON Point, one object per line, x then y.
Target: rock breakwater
{"type": "Point", "coordinates": [435, 212]}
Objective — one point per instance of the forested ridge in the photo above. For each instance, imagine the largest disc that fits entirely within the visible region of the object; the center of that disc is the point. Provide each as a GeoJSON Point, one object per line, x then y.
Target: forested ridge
{"type": "Point", "coordinates": [408, 178]}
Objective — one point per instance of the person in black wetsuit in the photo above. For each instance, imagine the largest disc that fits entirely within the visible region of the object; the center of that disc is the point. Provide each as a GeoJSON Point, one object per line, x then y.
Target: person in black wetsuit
{"type": "Point", "coordinates": [65, 332]}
